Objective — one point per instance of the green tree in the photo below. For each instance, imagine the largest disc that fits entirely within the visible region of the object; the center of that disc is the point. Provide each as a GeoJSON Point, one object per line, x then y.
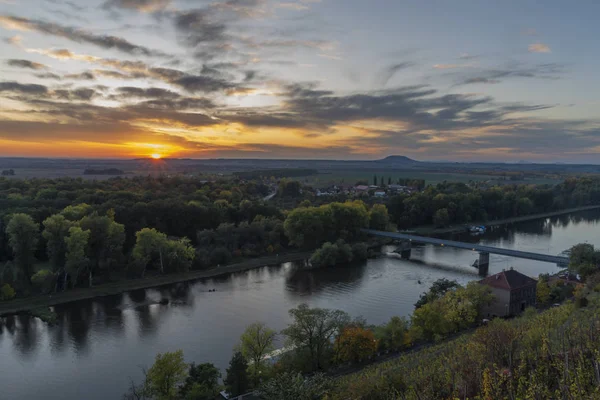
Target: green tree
{"type": "Point", "coordinates": [202, 382]}
{"type": "Point", "coordinates": [256, 342]}
{"type": "Point", "coordinates": [584, 260]}
{"type": "Point", "coordinates": [378, 217]}
{"type": "Point", "coordinates": [441, 218]}
{"type": "Point", "coordinates": [389, 180]}
{"type": "Point", "coordinates": [166, 375]}
{"type": "Point", "coordinates": [375, 179]}
{"type": "Point", "coordinates": [76, 212]}
{"type": "Point", "coordinates": [178, 255]}
{"type": "Point", "coordinates": [313, 329]}
{"type": "Point", "coordinates": [543, 291]}
{"type": "Point", "coordinates": [7, 292]}
{"type": "Point", "coordinates": [43, 280]}
{"type": "Point", "coordinates": [393, 335]}
{"type": "Point", "coordinates": [76, 260]}
{"type": "Point", "coordinates": [437, 290]}
{"type": "Point", "coordinates": [56, 228]}
{"type": "Point", "coordinates": [23, 234]}
{"type": "Point", "coordinates": [236, 381]}
{"type": "Point", "coordinates": [149, 244]}
{"type": "Point", "coordinates": [106, 241]}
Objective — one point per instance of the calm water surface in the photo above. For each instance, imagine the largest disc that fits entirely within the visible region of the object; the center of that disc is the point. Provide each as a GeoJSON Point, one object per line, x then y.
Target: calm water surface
{"type": "Point", "coordinates": [100, 345]}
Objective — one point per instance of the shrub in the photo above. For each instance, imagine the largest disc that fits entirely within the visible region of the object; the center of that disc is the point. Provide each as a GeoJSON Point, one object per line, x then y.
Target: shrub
{"type": "Point", "coordinates": [7, 292]}
{"type": "Point", "coordinates": [43, 280]}
{"type": "Point", "coordinates": [360, 251]}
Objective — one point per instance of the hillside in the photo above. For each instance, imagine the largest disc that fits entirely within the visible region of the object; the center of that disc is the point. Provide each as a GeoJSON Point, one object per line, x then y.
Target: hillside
{"type": "Point", "coordinates": [553, 354]}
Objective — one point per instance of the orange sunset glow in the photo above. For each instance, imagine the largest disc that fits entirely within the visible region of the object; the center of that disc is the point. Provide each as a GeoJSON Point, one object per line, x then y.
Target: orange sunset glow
{"type": "Point", "coordinates": [249, 79]}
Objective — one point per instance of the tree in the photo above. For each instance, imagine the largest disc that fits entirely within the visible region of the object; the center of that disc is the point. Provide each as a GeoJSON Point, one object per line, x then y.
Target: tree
{"type": "Point", "coordinates": [255, 343]}
{"type": "Point", "coordinates": [441, 218]}
{"type": "Point", "coordinates": [179, 255]}
{"type": "Point", "coordinates": [149, 244]}
{"type": "Point", "coordinates": [236, 380]}
{"type": "Point", "coordinates": [7, 292]}
{"type": "Point", "coordinates": [22, 234]}
{"type": "Point", "coordinates": [542, 291]}
{"type": "Point", "coordinates": [584, 260]}
{"type": "Point", "coordinates": [436, 291]}
{"type": "Point", "coordinates": [313, 329]}
{"type": "Point", "coordinates": [105, 242]}
{"type": "Point", "coordinates": [378, 217]}
{"type": "Point", "coordinates": [287, 386]}
{"type": "Point", "coordinates": [375, 179]}
{"type": "Point", "coordinates": [389, 180]}
{"type": "Point", "coordinates": [381, 182]}
{"type": "Point", "coordinates": [56, 228]}
{"type": "Point", "coordinates": [202, 382]}
{"type": "Point", "coordinates": [355, 344]}
{"type": "Point", "coordinates": [76, 260]}
{"type": "Point", "coordinates": [77, 212]}
{"type": "Point", "coordinates": [43, 280]}
{"type": "Point", "coordinates": [392, 336]}
{"type": "Point", "coordinates": [168, 372]}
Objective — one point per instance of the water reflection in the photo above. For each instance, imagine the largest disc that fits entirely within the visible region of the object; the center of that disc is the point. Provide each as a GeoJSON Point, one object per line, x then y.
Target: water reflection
{"type": "Point", "coordinates": [305, 282]}
{"type": "Point", "coordinates": [112, 336]}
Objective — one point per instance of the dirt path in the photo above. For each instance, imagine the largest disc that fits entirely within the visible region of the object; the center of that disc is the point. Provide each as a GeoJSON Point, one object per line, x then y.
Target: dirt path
{"type": "Point", "coordinates": [29, 303]}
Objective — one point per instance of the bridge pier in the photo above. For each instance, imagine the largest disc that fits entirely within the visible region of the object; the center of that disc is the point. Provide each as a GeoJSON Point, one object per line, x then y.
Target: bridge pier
{"type": "Point", "coordinates": [404, 249]}
{"type": "Point", "coordinates": [484, 263]}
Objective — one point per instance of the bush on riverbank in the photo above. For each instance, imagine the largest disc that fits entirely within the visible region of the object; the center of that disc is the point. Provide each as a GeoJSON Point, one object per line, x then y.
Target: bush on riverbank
{"type": "Point", "coordinates": [340, 252]}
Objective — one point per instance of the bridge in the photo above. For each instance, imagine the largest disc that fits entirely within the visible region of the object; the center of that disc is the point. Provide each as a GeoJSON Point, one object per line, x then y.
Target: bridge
{"type": "Point", "coordinates": [484, 251]}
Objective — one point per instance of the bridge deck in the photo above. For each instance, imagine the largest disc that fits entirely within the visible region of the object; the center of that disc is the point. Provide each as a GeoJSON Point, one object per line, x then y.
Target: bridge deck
{"type": "Point", "coordinates": [470, 246]}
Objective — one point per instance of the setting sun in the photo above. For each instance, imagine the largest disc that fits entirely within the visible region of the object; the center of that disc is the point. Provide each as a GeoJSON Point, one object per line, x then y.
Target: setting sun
{"type": "Point", "coordinates": [156, 156]}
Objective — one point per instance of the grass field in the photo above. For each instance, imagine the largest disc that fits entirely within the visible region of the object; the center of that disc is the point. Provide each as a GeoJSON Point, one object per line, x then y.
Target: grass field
{"type": "Point", "coordinates": [350, 177]}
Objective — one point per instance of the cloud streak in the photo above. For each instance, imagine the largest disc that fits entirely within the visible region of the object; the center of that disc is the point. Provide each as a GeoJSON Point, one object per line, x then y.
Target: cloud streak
{"type": "Point", "coordinates": [76, 35]}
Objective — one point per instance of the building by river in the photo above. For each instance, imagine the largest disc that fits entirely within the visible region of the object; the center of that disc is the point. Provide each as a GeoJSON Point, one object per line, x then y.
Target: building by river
{"type": "Point", "coordinates": [514, 292]}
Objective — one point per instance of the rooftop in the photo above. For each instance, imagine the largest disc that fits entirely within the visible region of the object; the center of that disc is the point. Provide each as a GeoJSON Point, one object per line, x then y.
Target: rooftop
{"type": "Point", "coordinates": [509, 280]}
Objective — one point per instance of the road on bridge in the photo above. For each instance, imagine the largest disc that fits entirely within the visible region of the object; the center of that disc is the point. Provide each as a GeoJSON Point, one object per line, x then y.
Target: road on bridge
{"type": "Point", "coordinates": [470, 246]}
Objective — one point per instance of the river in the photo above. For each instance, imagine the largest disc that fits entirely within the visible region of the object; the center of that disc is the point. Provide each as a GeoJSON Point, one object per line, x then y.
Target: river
{"type": "Point", "coordinates": [100, 345]}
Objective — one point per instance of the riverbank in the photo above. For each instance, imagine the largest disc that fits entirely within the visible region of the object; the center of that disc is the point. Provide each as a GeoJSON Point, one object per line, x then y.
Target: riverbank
{"type": "Point", "coordinates": [430, 229]}
{"type": "Point", "coordinates": [29, 303]}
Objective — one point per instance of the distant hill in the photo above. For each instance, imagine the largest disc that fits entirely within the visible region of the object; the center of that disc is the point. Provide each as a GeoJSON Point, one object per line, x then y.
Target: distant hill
{"type": "Point", "coordinates": [397, 160]}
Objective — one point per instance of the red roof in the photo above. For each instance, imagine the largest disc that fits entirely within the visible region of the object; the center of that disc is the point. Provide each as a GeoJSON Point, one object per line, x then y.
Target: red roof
{"type": "Point", "coordinates": [508, 280]}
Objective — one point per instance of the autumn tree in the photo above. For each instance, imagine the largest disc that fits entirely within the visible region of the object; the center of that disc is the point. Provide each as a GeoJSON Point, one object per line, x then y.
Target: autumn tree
{"type": "Point", "coordinates": [23, 234]}
{"type": "Point", "coordinates": [166, 375]}
{"type": "Point", "coordinates": [355, 344]}
{"type": "Point", "coordinates": [313, 329]}
{"type": "Point", "coordinates": [56, 228]}
{"type": "Point", "coordinates": [543, 291]}
{"type": "Point", "coordinates": [256, 342]}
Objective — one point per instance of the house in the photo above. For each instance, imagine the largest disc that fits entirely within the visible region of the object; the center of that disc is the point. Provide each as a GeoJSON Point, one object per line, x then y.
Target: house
{"type": "Point", "coordinates": [379, 193]}
{"type": "Point", "coordinates": [513, 292]}
{"type": "Point", "coordinates": [361, 189]}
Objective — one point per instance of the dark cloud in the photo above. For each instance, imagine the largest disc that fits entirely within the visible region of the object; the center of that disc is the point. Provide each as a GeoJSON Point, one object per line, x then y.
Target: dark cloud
{"type": "Point", "coordinates": [49, 75]}
{"type": "Point", "coordinates": [201, 83]}
{"type": "Point", "coordinates": [136, 92]}
{"type": "Point", "coordinates": [493, 76]}
{"type": "Point", "coordinates": [79, 35]}
{"type": "Point", "coordinates": [25, 64]}
{"type": "Point", "coordinates": [199, 27]}
{"type": "Point", "coordinates": [81, 94]}
{"type": "Point", "coordinates": [139, 5]}
{"type": "Point", "coordinates": [392, 70]}
{"type": "Point", "coordinates": [84, 76]}
{"type": "Point", "coordinates": [27, 89]}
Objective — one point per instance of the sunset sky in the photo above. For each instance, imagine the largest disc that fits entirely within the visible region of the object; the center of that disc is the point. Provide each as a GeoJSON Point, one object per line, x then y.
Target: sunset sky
{"type": "Point", "coordinates": [471, 80]}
